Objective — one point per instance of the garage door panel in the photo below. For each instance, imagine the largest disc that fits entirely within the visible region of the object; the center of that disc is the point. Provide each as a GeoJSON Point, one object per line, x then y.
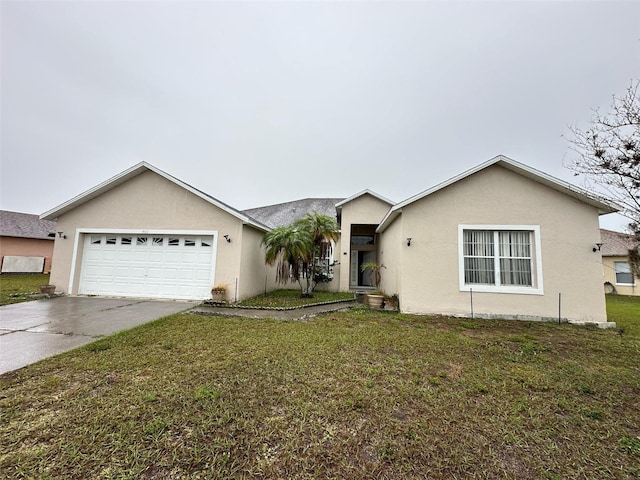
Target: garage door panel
{"type": "Point", "coordinates": [164, 266]}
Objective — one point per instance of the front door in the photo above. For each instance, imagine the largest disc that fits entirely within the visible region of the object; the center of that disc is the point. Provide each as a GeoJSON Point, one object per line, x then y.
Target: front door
{"type": "Point", "coordinates": [358, 277]}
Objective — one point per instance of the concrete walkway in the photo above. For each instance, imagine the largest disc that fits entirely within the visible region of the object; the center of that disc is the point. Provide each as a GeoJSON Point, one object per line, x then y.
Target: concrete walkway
{"type": "Point", "coordinates": [296, 314]}
{"type": "Point", "coordinates": [31, 331]}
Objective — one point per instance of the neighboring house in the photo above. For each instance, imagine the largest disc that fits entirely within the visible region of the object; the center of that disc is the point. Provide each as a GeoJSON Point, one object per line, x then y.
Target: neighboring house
{"type": "Point", "coordinates": [26, 243]}
{"type": "Point", "coordinates": [500, 240]}
{"type": "Point", "coordinates": [617, 272]}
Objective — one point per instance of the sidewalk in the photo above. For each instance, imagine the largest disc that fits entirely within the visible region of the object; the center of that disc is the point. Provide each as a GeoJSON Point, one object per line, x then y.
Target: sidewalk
{"type": "Point", "coordinates": [296, 314]}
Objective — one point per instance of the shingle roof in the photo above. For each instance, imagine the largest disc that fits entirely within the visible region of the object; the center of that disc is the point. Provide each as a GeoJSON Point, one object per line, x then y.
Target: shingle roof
{"type": "Point", "coordinates": [284, 213]}
{"type": "Point", "coordinates": [25, 225]}
{"type": "Point", "coordinates": [615, 244]}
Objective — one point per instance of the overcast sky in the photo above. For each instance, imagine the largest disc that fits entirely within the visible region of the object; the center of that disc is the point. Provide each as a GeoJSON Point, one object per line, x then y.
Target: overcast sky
{"type": "Point", "coordinates": [262, 103]}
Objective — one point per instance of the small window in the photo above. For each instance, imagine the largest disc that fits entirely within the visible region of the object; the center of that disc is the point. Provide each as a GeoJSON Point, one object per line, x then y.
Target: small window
{"type": "Point", "coordinates": [362, 240]}
{"type": "Point", "coordinates": [125, 241]}
{"type": "Point", "coordinates": [95, 240]}
{"type": "Point", "coordinates": [205, 243]}
{"type": "Point", "coordinates": [624, 276]}
{"type": "Point", "coordinates": [141, 241]}
{"type": "Point", "coordinates": [174, 242]}
{"type": "Point", "coordinates": [189, 242]}
{"type": "Point", "coordinates": [111, 241]}
{"type": "Point", "coordinates": [157, 241]}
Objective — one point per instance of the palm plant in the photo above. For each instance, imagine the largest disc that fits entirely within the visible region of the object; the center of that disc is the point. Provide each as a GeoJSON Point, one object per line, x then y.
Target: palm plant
{"type": "Point", "coordinates": [294, 247]}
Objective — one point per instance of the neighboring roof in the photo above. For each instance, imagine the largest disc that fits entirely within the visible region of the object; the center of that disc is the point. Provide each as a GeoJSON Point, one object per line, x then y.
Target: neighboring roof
{"type": "Point", "coordinates": [360, 194]}
{"type": "Point", "coordinates": [603, 206]}
{"type": "Point", "coordinates": [282, 214]}
{"type": "Point", "coordinates": [25, 225]}
{"type": "Point", "coordinates": [616, 244]}
{"type": "Point", "coordinates": [133, 172]}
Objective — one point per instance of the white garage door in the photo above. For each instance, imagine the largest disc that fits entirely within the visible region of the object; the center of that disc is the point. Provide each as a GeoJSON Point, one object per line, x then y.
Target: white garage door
{"type": "Point", "coordinates": [150, 266]}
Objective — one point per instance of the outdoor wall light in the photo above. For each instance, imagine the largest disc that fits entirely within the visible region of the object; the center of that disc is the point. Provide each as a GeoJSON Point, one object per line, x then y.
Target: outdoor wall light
{"type": "Point", "coordinates": [61, 235]}
{"type": "Point", "coordinates": [408, 241]}
{"type": "Point", "coordinates": [226, 237]}
{"type": "Point", "coordinates": [597, 247]}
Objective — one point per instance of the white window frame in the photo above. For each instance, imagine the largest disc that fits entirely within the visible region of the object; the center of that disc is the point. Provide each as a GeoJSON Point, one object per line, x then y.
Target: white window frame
{"type": "Point", "coordinates": [615, 272]}
{"type": "Point", "coordinates": [536, 263]}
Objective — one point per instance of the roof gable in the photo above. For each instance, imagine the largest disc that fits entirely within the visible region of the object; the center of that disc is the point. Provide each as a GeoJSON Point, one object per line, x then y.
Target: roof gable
{"type": "Point", "coordinates": [362, 193]}
{"type": "Point", "coordinates": [134, 172]}
{"type": "Point", "coordinates": [25, 225]}
{"type": "Point", "coordinates": [603, 206]}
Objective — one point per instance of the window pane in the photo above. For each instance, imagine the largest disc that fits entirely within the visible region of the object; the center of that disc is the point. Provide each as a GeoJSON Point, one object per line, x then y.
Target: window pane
{"type": "Point", "coordinates": [157, 241]}
{"type": "Point", "coordinates": [95, 240]}
{"type": "Point", "coordinates": [125, 241]}
{"type": "Point", "coordinates": [174, 242]}
{"type": "Point", "coordinates": [362, 239]}
{"type": "Point", "coordinates": [111, 240]}
{"type": "Point", "coordinates": [478, 243]}
{"type": "Point", "coordinates": [479, 271]}
{"type": "Point", "coordinates": [205, 243]}
{"type": "Point", "coordinates": [141, 241]}
{"type": "Point", "coordinates": [515, 271]}
{"type": "Point", "coordinates": [623, 273]}
{"type": "Point", "coordinates": [189, 242]}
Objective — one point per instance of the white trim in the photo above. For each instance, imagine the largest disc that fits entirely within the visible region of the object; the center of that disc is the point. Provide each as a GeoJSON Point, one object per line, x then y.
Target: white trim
{"type": "Point", "coordinates": [603, 206]}
{"type": "Point", "coordinates": [83, 231]}
{"type": "Point", "coordinates": [133, 172]}
{"type": "Point", "coordinates": [538, 280]}
{"type": "Point", "coordinates": [364, 192]}
{"type": "Point", "coordinates": [615, 274]}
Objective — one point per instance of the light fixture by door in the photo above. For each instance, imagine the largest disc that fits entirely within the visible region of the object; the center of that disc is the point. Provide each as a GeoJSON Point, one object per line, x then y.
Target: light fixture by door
{"type": "Point", "coordinates": [597, 247]}
{"type": "Point", "coordinates": [408, 241]}
{"type": "Point", "coordinates": [61, 235]}
{"type": "Point", "coordinates": [226, 237]}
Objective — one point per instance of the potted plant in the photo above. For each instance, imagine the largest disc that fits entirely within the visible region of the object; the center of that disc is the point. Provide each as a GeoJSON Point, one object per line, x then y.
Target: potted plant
{"type": "Point", "coordinates": [375, 299]}
{"type": "Point", "coordinates": [219, 293]}
{"type": "Point", "coordinates": [47, 289]}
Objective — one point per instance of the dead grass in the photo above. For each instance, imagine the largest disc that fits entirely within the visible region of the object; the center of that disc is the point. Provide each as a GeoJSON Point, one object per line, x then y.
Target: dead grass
{"type": "Point", "coordinates": [360, 394]}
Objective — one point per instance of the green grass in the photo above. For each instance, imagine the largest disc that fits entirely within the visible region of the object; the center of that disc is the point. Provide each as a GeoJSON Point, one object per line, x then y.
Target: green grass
{"type": "Point", "coordinates": [285, 298]}
{"type": "Point", "coordinates": [359, 394]}
{"type": "Point", "coordinates": [20, 288]}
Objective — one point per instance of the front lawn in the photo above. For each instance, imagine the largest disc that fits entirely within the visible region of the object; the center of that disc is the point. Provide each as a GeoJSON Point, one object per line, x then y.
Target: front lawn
{"type": "Point", "coordinates": [359, 394]}
{"type": "Point", "coordinates": [15, 288]}
{"type": "Point", "coordinates": [285, 298]}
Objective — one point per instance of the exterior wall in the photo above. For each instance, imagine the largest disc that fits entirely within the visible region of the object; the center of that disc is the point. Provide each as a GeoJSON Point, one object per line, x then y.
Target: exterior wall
{"type": "Point", "coordinates": [392, 246]}
{"type": "Point", "coordinates": [27, 247]}
{"type": "Point", "coordinates": [365, 210]}
{"type": "Point", "coordinates": [609, 273]}
{"type": "Point", "coordinates": [150, 202]}
{"type": "Point", "coordinates": [497, 196]}
{"type": "Point", "coordinates": [255, 274]}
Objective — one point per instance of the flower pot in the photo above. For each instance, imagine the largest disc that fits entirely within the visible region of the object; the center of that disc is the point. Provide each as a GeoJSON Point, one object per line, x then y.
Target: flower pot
{"type": "Point", "coordinates": [375, 301]}
{"type": "Point", "coordinates": [219, 296]}
{"type": "Point", "coordinates": [47, 289]}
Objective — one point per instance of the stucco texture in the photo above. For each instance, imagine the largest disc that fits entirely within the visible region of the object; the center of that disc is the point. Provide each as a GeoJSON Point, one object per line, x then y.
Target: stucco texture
{"type": "Point", "coordinates": [428, 270]}
{"type": "Point", "coordinates": [149, 201]}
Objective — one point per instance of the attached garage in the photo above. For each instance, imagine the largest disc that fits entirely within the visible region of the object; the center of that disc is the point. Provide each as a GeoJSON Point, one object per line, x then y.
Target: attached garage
{"type": "Point", "coordinates": [146, 234]}
{"type": "Point", "coordinates": [148, 265]}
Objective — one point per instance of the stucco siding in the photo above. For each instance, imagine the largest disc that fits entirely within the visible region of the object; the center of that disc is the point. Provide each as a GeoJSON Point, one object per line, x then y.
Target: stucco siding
{"type": "Point", "coordinates": [363, 210]}
{"type": "Point", "coordinates": [27, 247]}
{"type": "Point", "coordinates": [496, 196]}
{"type": "Point", "coordinates": [255, 274]}
{"type": "Point", "coordinates": [392, 246]}
{"type": "Point", "coordinates": [145, 202]}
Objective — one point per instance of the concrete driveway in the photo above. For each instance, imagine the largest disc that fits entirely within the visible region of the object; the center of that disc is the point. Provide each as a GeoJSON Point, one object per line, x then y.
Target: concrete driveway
{"type": "Point", "coordinates": [35, 330]}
